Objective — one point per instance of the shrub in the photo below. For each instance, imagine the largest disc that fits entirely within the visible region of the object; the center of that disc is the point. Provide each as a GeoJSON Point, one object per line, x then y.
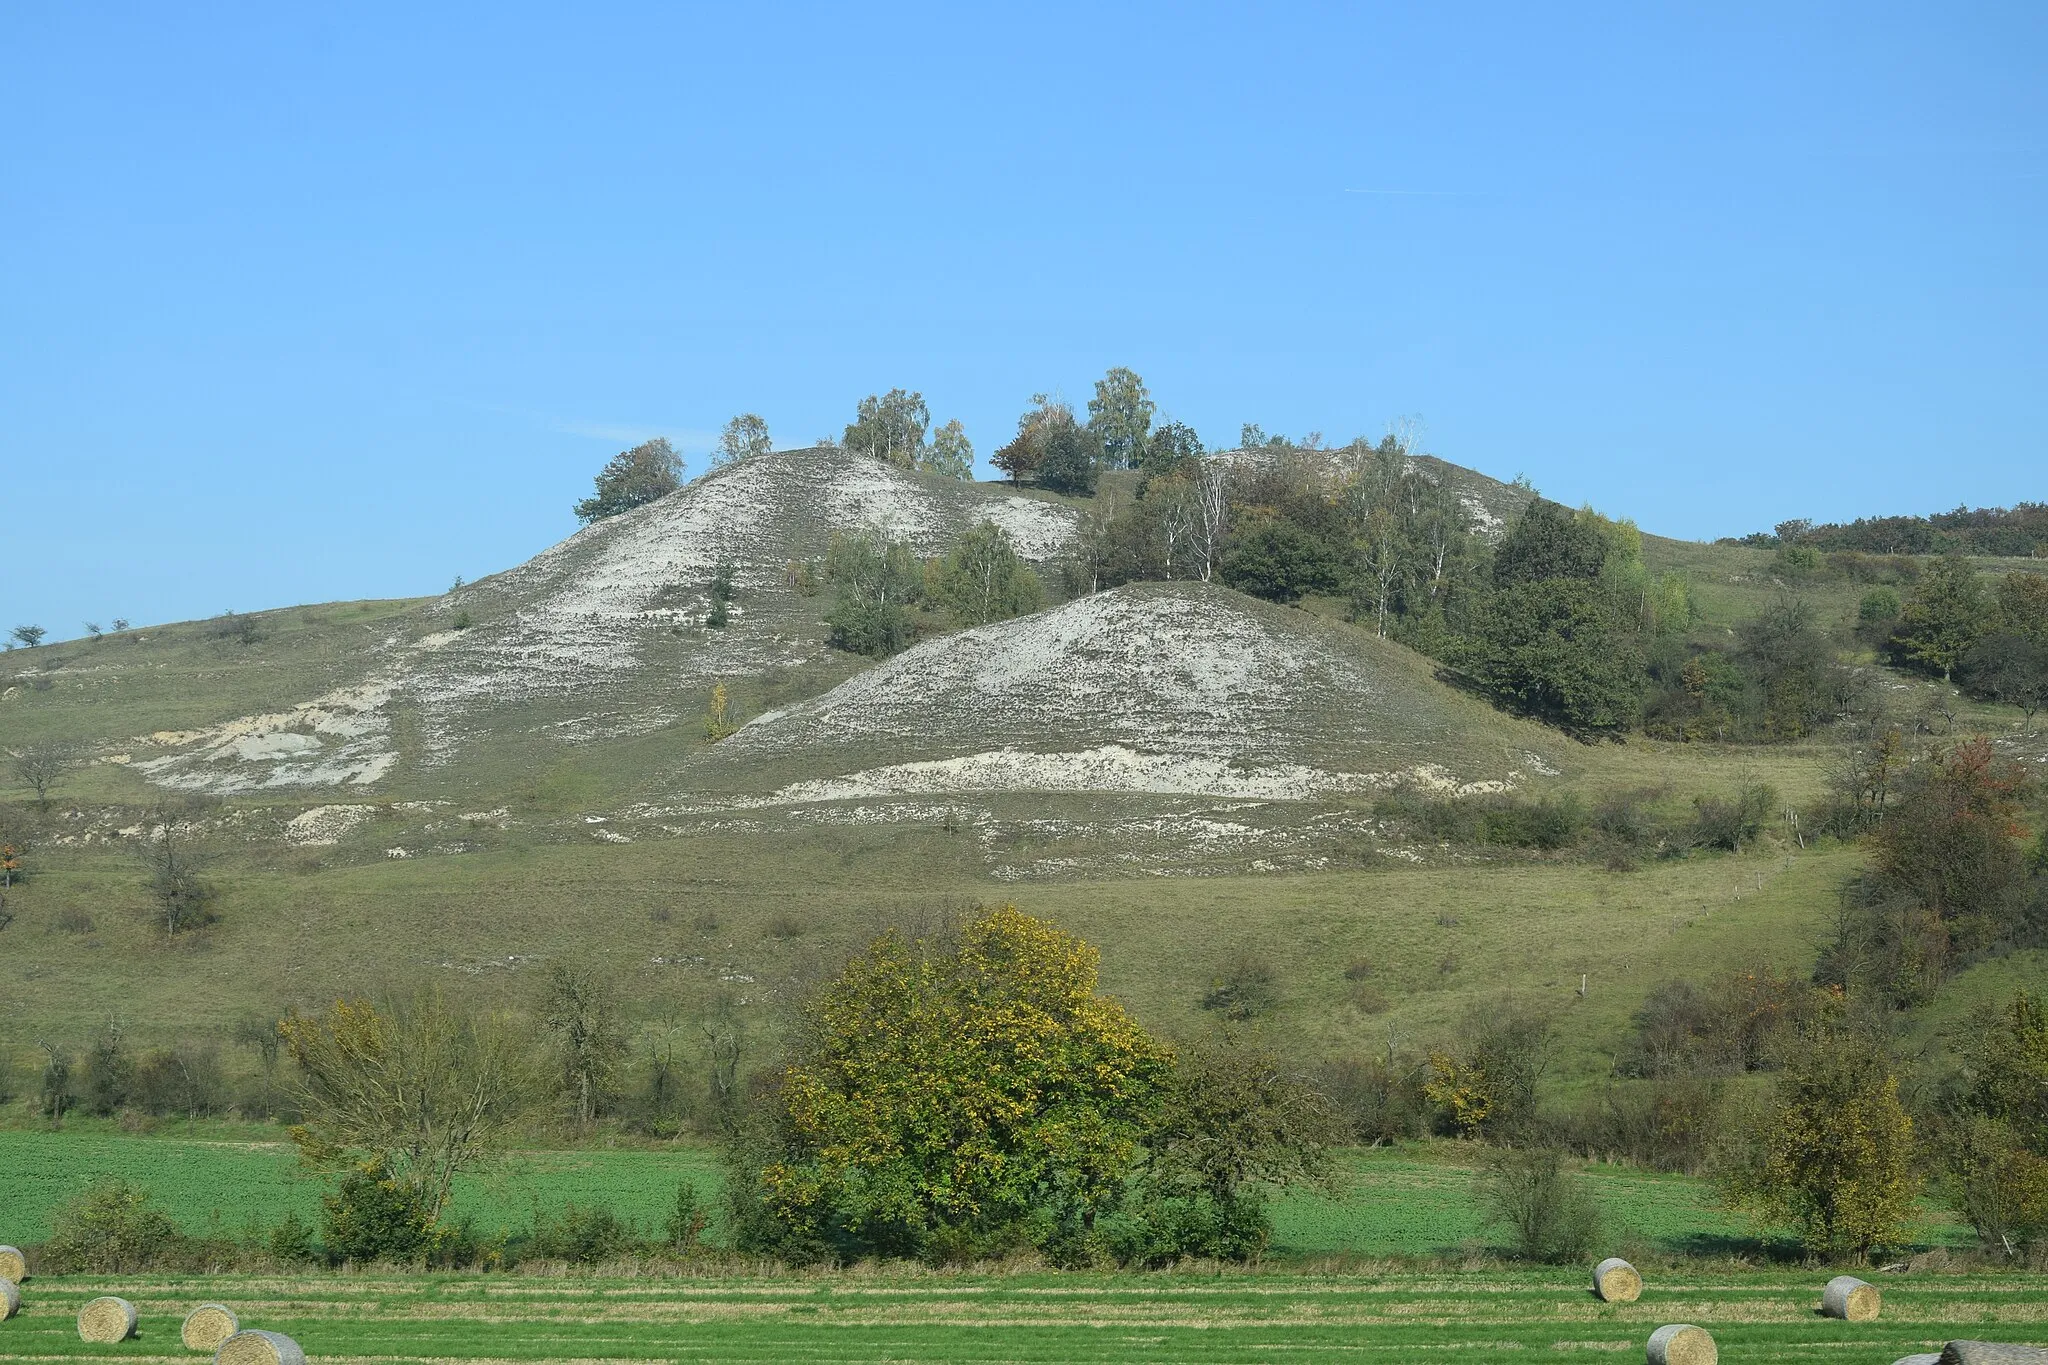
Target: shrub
{"type": "Point", "coordinates": [684, 1229]}
{"type": "Point", "coordinates": [1542, 1202]}
{"type": "Point", "coordinates": [111, 1228]}
{"type": "Point", "coordinates": [181, 1081]}
{"type": "Point", "coordinates": [291, 1241]}
{"type": "Point", "coordinates": [582, 1236]}
{"type": "Point", "coordinates": [1729, 824]}
{"type": "Point", "coordinates": [1245, 989]}
{"type": "Point", "coordinates": [372, 1217]}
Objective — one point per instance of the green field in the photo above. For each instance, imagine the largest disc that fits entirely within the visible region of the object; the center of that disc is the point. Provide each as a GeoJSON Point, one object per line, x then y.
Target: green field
{"type": "Point", "coordinates": [1412, 1201]}
{"type": "Point", "coordinates": [1473, 1315]}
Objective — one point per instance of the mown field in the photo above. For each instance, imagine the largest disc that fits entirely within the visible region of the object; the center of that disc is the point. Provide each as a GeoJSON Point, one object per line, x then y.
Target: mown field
{"type": "Point", "coordinates": [1474, 1316]}
{"type": "Point", "coordinates": [1412, 1201]}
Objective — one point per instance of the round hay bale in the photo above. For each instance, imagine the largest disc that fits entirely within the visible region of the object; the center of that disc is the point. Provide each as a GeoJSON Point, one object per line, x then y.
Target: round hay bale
{"type": "Point", "coordinates": [1850, 1299]}
{"type": "Point", "coordinates": [10, 1299]}
{"type": "Point", "coordinates": [259, 1348]}
{"type": "Point", "coordinates": [1616, 1281]}
{"type": "Point", "coordinates": [13, 1265]}
{"type": "Point", "coordinates": [1991, 1353]}
{"type": "Point", "coordinates": [107, 1320]}
{"type": "Point", "coordinates": [207, 1326]}
{"type": "Point", "coordinates": [1681, 1343]}
{"type": "Point", "coordinates": [1924, 1358]}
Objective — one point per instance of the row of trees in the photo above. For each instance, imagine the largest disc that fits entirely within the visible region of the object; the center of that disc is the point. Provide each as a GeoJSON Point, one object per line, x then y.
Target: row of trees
{"type": "Point", "coordinates": [1956, 625]}
{"type": "Point", "coordinates": [2008, 531]}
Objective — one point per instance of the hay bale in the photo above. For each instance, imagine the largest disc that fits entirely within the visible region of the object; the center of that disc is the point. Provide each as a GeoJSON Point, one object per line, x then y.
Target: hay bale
{"type": "Point", "coordinates": [1681, 1343]}
{"type": "Point", "coordinates": [207, 1326]}
{"type": "Point", "coordinates": [1616, 1281]}
{"type": "Point", "coordinates": [1850, 1299]}
{"type": "Point", "coordinates": [1991, 1353]}
{"type": "Point", "coordinates": [13, 1265]}
{"type": "Point", "coordinates": [107, 1320]}
{"type": "Point", "coordinates": [259, 1348]}
{"type": "Point", "coordinates": [10, 1299]}
{"type": "Point", "coordinates": [1925, 1358]}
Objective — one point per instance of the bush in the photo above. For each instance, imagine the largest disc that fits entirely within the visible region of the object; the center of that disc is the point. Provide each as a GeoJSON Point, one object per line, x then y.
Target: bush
{"type": "Point", "coordinates": [1542, 1202]}
{"type": "Point", "coordinates": [111, 1228]}
{"type": "Point", "coordinates": [686, 1219]}
{"type": "Point", "coordinates": [371, 1217]}
{"type": "Point", "coordinates": [1730, 824]}
{"type": "Point", "coordinates": [1666, 1125]}
{"type": "Point", "coordinates": [582, 1236]}
{"type": "Point", "coordinates": [180, 1081]}
{"type": "Point", "coordinates": [1245, 989]}
{"type": "Point", "coordinates": [1157, 1231]}
{"type": "Point", "coordinates": [291, 1241]}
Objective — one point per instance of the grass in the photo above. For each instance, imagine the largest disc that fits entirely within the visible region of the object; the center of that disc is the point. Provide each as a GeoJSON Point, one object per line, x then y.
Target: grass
{"type": "Point", "coordinates": [1485, 1316]}
{"type": "Point", "coordinates": [1415, 1201]}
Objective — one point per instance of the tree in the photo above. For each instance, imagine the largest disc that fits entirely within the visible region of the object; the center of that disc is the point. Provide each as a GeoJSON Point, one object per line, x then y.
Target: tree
{"type": "Point", "coordinates": [1169, 447]}
{"type": "Point", "coordinates": [1549, 541]}
{"type": "Point", "coordinates": [28, 636]}
{"type": "Point", "coordinates": [951, 454]}
{"type": "Point", "coordinates": [175, 862]}
{"type": "Point", "coordinates": [744, 436]}
{"type": "Point", "coordinates": [876, 582]}
{"type": "Point", "coordinates": [1557, 649]}
{"type": "Point", "coordinates": [1062, 454]}
{"type": "Point", "coordinates": [1275, 558]}
{"type": "Point", "coordinates": [414, 1086]}
{"type": "Point", "coordinates": [890, 427]}
{"type": "Point", "coordinates": [93, 631]}
{"type": "Point", "coordinates": [953, 1094]}
{"type": "Point", "coordinates": [1070, 459]}
{"type": "Point", "coordinates": [1993, 1143]}
{"type": "Point", "coordinates": [1832, 1153]}
{"type": "Point", "coordinates": [1943, 616]}
{"type": "Point", "coordinates": [2010, 663]}
{"type": "Point", "coordinates": [581, 1014]}
{"type": "Point", "coordinates": [631, 478]}
{"type": "Point", "coordinates": [983, 579]}
{"type": "Point", "coordinates": [41, 766]}
{"type": "Point", "coordinates": [1490, 1088]}
{"type": "Point", "coordinates": [1120, 415]}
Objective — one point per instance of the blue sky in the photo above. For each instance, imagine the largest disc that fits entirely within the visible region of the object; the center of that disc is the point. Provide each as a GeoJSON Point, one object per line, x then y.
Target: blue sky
{"type": "Point", "coordinates": [300, 304]}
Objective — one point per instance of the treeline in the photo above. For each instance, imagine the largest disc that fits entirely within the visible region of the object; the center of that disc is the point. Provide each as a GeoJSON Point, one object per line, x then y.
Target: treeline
{"type": "Point", "coordinates": [2021, 530]}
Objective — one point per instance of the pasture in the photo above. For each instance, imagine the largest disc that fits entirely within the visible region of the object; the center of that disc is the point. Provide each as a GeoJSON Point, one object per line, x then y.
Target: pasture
{"type": "Point", "coordinates": [1475, 1316]}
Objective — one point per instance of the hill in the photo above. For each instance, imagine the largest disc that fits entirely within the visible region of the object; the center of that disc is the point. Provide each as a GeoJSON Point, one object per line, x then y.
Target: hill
{"type": "Point", "coordinates": [1180, 688]}
{"type": "Point", "coordinates": [602, 635]}
{"type": "Point", "coordinates": [471, 787]}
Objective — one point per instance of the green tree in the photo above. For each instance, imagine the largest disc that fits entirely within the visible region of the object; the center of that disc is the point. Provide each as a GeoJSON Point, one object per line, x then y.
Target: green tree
{"type": "Point", "coordinates": [1832, 1153]}
{"type": "Point", "coordinates": [744, 436]}
{"type": "Point", "coordinates": [876, 582]}
{"type": "Point", "coordinates": [890, 427]}
{"type": "Point", "coordinates": [1558, 649]}
{"type": "Point", "coordinates": [1993, 1144]}
{"type": "Point", "coordinates": [983, 579]}
{"type": "Point", "coordinates": [1945, 614]}
{"type": "Point", "coordinates": [1276, 558]}
{"type": "Point", "coordinates": [1550, 541]}
{"type": "Point", "coordinates": [951, 454]}
{"type": "Point", "coordinates": [2009, 664]}
{"type": "Point", "coordinates": [1169, 448]}
{"type": "Point", "coordinates": [27, 636]}
{"type": "Point", "coordinates": [1058, 451]}
{"type": "Point", "coordinates": [631, 478]}
{"type": "Point", "coordinates": [957, 1095]}
{"type": "Point", "coordinates": [1120, 415]}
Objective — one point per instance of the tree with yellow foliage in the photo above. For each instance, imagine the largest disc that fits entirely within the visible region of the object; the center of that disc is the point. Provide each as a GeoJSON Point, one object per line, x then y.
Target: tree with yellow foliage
{"type": "Point", "coordinates": [1831, 1155]}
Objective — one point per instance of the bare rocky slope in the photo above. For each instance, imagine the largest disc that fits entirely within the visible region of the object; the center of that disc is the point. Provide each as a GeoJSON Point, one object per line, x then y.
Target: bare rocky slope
{"type": "Point", "coordinates": [602, 636]}
{"type": "Point", "coordinates": [1180, 688]}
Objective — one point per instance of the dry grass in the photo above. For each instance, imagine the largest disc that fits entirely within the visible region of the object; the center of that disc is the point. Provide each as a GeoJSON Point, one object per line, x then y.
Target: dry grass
{"type": "Point", "coordinates": [207, 1326]}
{"type": "Point", "coordinates": [106, 1320]}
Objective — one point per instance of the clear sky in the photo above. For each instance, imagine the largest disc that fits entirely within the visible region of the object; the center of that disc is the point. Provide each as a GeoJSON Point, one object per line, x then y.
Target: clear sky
{"type": "Point", "coordinates": [301, 302]}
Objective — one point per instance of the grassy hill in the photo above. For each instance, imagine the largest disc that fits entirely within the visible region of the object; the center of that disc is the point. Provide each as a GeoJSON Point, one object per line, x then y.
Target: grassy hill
{"type": "Point", "coordinates": [468, 788]}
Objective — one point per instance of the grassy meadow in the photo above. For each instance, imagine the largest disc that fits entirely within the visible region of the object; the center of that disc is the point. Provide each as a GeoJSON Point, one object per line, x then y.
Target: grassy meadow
{"type": "Point", "coordinates": [1481, 1315]}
